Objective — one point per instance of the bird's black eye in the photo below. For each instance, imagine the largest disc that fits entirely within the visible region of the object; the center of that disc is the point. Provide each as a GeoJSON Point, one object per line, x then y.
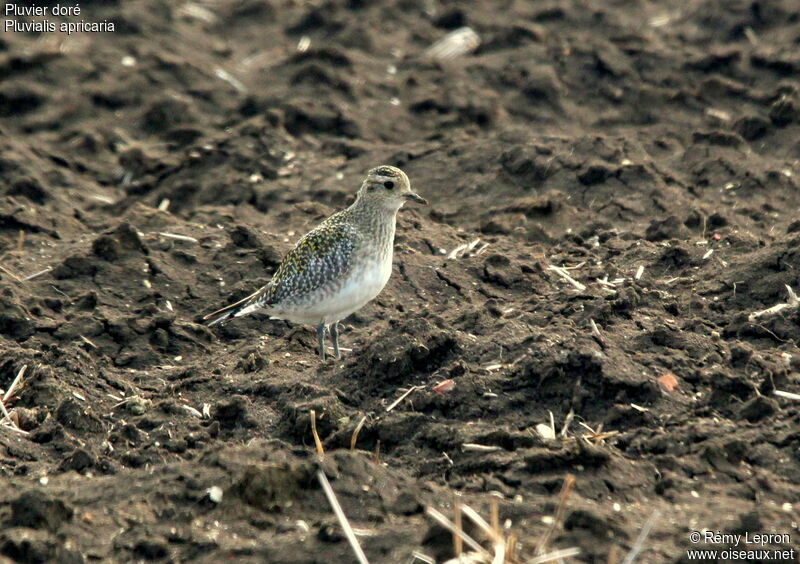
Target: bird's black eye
{"type": "Point", "coordinates": [388, 184]}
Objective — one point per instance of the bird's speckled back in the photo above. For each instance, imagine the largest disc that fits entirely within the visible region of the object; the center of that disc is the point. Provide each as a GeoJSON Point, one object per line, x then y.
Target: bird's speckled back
{"type": "Point", "coordinates": [323, 258]}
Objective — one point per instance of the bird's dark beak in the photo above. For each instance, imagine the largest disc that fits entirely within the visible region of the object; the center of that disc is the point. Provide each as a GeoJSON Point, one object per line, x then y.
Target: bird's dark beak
{"type": "Point", "coordinates": [417, 198]}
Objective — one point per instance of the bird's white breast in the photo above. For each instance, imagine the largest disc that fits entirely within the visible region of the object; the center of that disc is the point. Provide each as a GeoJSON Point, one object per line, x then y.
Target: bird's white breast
{"type": "Point", "coordinates": [363, 284]}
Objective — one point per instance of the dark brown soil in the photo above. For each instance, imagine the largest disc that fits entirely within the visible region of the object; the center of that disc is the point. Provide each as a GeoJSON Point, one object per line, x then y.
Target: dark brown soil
{"type": "Point", "coordinates": [605, 137]}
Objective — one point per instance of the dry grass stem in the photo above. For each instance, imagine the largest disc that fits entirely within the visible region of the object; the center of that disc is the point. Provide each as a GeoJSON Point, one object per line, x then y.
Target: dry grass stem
{"type": "Point", "coordinates": [222, 74]}
{"type": "Point", "coordinates": [418, 556]}
{"type": "Point", "coordinates": [20, 375]}
{"type": "Point", "coordinates": [177, 237]}
{"type": "Point", "coordinates": [191, 410]}
{"type": "Point", "coordinates": [15, 429]}
{"type": "Point", "coordinates": [465, 249]}
{"type": "Point", "coordinates": [345, 524]}
{"type": "Point", "coordinates": [88, 342]}
{"type": "Point", "coordinates": [356, 431]}
{"type": "Point", "coordinates": [408, 392]}
{"type": "Point", "coordinates": [567, 422]}
{"type": "Point", "coordinates": [7, 416]}
{"type": "Point", "coordinates": [640, 540]}
{"type": "Point", "coordinates": [317, 442]}
{"type": "Point", "coordinates": [511, 548]}
{"type": "Point", "coordinates": [566, 490]}
{"type": "Point", "coordinates": [555, 555]}
{"type": "Point", "coordinates": [472, 447]}
{"type": "Point", "coordinates": [37, 274]}
{"type": "Point", "coordinates": [562, 272]}
{"type": "Point", "coordinates": [500, 541]}
{"type": "Point", "coordinates": [596, 434]}
{"type": "Point", "coordinates": [198, 12]}
{"type": "Point", "coordinates": [103, 199]}
{"type": "Point", "coordinates": [792, 303]}
{"type": "Point", "coordinates": [450, 526]}
{"type": "Point", "coordinates": [11, 274]}
{"type": "Point", "coordinates": [481, 523]}
{"type": "Point", "coordinates": [458, 542]}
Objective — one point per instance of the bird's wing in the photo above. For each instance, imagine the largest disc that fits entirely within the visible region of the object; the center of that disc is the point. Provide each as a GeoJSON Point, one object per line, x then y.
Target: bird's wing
{"type": "Point", "coordinates": [320, 256]}
{"type": "Point", "coordinates": [323, 255]}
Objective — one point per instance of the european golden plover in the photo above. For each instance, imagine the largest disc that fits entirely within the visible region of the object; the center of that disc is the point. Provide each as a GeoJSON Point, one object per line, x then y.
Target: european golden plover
{"type": "Point", "coordinates": [337, 267]}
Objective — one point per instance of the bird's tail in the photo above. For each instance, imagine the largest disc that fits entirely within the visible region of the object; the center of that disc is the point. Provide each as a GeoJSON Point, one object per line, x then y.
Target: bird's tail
{"type": "Point", "coordinates": [238, 309]}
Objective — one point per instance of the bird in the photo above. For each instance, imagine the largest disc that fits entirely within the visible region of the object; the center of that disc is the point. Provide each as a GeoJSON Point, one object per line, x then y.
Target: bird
{"type": "Point", "coordinates": [337, 267]}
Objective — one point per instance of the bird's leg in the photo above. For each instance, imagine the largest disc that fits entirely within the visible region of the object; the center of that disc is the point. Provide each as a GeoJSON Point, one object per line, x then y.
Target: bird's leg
{"type": "Point", "coordinates": [321, 340]}
{"type": "Point", "coordinates": [334, 327]}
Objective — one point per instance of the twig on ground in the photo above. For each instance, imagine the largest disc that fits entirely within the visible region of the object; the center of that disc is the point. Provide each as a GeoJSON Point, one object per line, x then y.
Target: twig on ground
{"type": "Point", "coordinates": [345, 524]}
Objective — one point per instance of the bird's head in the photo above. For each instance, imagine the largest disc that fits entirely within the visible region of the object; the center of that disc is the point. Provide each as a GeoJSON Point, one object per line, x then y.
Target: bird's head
{"type": "Point", "coordinates": [388, 187]}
